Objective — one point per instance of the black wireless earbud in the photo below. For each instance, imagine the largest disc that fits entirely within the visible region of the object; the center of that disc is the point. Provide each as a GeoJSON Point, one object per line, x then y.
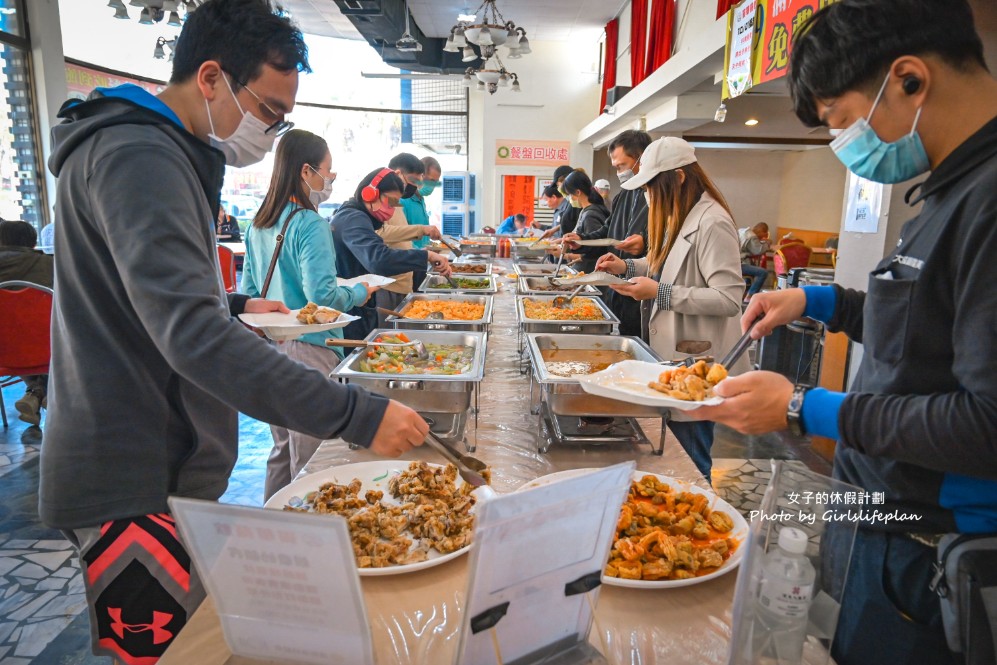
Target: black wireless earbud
{"type": "Point", "coordinates": [911, 85]}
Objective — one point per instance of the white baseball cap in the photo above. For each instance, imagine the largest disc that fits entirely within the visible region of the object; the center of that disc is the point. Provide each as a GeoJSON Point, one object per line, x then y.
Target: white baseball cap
{"type": "Point", "coordinates": [601, 184]}
{"type": "Point", "coordinates": [662, 155]}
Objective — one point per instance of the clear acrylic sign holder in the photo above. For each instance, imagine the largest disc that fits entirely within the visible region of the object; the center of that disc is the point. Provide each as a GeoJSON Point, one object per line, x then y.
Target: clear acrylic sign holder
{"type": "Point", "coordinates": [535, 569]}
{"type": "Point", "coordinates": [829, 512]}
{"type": "Point", "coordinates": [270, 577]}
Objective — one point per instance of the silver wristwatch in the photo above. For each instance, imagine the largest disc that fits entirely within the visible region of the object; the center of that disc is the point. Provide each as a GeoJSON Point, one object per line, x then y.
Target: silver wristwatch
{"type": "Point", "coordinates": [794, 411]}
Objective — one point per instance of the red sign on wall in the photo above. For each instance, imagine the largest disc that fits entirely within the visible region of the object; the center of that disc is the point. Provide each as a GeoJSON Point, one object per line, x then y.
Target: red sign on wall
{"type": "Point", "coordinates": [518, 195]}
{"type": "Point", "coordinates": [780, 20]}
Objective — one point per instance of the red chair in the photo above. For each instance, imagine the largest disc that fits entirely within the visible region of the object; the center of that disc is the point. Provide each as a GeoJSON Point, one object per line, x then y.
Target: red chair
{"type": "Point", "coordinates": [25, 334]}
{"type": "Point", "coordinates": [793, 255]}
{"type": "Point", "coordinates": [226, 259]}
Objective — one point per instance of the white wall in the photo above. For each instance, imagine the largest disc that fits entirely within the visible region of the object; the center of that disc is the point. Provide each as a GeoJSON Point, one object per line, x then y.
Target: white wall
{"type": "Point", "coordinates": [750, 180]}
{"type": "Point", "coordinates": [560, 93]}
{"type": "Point", "coordinates": [813, 187]}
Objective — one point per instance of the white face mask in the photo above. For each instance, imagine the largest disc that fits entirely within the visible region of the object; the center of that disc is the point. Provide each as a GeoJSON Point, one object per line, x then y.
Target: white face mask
{"type": "Point", "coordinates": [319, 196]}
{"type": "Point", "coordinates": [248, 144]}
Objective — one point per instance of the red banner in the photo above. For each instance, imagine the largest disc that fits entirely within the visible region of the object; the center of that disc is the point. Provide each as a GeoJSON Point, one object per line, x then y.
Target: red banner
{"type": "Point", "coordinates": [81, 81]}
{"type": "Point", "coordinates": [518, 193]}
{"type": "Point", "coordinates": [779, 21]}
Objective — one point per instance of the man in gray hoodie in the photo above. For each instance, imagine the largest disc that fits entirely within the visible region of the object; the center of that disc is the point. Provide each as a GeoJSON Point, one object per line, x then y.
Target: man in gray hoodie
{"type": "Point", "coordinates": [149, 365]}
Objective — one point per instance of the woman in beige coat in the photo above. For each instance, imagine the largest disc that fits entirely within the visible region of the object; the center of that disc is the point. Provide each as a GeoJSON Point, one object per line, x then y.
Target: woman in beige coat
{"type": "Point", "coordinates": [690, 283]}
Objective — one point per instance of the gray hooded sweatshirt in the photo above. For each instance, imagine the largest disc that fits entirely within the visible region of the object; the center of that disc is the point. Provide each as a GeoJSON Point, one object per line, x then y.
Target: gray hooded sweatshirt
{"type": "Point", "coordinates": [149, 366]}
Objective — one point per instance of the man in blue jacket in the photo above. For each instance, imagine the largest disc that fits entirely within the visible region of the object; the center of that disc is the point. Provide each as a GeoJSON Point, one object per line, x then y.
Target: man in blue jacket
{"type": "Point", "coordinates": [149, 366]}
{"type": "Point", "coordinates": [907, 83]}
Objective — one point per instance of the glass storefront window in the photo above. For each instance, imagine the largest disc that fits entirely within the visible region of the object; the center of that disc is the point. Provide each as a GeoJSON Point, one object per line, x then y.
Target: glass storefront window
{"type": "Point", "coordinates": [10, 21]}
{"type": "Point", "coordinates": [20, 177]}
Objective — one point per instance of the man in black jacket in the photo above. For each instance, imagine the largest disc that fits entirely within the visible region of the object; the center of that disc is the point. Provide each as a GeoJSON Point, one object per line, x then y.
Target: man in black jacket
{"type": "Point", "coordinates": [627, 222]}
{"type": "Point", "coordinates": [907, 82]}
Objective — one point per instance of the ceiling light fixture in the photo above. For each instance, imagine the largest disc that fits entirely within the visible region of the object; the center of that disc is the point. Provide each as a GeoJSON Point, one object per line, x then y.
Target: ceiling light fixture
{"type": "Point", "coordinates": [159, 53]}
{"type": "Point", "coordinates": [488, 32]}
{"type": "Point", "coordinates": [407, 43]}
{"type": "Point", "coordinates": [751, 122]}
{"type": "Point", "coordinates": [174, 12]}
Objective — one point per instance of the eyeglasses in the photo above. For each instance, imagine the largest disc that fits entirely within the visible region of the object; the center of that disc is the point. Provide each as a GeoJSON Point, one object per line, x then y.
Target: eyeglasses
{"type": "Point", "coordinates": [277, 127]}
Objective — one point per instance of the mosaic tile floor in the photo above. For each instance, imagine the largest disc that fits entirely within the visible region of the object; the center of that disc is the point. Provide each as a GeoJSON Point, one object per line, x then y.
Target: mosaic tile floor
{"type": "Point", "coordinates": [43, 618]}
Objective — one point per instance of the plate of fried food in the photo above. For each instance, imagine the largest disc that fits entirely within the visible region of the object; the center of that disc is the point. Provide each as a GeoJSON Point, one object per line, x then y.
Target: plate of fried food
{"type": "Point", "coordinates": [650, 384]}
{"type": "Point", "coordinates": [311, 318]}
{"type": "Point", "coordinates": [402, 516]}
{"type": "Point", "coordinates": [669, 533]}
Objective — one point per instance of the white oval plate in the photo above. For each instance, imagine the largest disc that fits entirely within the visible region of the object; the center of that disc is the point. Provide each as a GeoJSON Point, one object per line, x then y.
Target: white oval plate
{"type": "Point", "coordinates": [599, 242]}
{"type": "Point", "coordinates": [372, 280]}
{"type": "Point", "coordinates": [373, 476]}
{"type": "Point", "coordinates": [739, 532]}
{"type": "Point", "coordinates": [282, 327]}
{"type": "Point", "coordinates": [627, 381]}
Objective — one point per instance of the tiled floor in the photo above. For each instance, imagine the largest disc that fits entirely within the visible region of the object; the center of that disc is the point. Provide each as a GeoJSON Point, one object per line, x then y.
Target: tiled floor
{"type": "Point", "coordinates": [43, 618]}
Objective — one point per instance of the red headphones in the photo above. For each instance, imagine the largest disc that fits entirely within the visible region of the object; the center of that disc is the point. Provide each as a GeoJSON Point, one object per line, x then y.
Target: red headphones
{"type": "Point", "coordinates": [371, 193]}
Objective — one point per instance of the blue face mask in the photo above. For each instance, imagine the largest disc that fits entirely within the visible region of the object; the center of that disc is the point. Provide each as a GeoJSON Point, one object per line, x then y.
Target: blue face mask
{"type": "Point", "coordinates": [866, 155]}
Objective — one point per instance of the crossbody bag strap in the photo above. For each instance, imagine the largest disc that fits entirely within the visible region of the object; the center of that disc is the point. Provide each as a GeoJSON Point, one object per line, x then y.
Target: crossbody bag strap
{"type": "Point", "coordinates": [276, 253]}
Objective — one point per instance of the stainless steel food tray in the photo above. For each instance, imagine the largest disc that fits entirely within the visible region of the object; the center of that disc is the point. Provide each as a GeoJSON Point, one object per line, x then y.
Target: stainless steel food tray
{"type": "Point", "coordinates": [478, 325]}
{"type": "Point", "coordinates": [599, 327]}
{"type": "Point", "coordinates": [430, 393]}
{"type": "Point", "coordinates": [565, 396]}
{"type": "Point", "coordinates": [529, 286]}
{"type": "Point", "coordinates": [531, 269]}
{"type": "Point", "coordinates": [475, 261]}
{"type": "Point", "coordinates": [439, 279]}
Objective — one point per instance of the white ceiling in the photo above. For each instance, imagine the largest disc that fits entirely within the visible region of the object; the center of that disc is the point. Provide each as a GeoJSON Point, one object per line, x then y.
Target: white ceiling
{"type": "Point", "coordinates": [544, 20]}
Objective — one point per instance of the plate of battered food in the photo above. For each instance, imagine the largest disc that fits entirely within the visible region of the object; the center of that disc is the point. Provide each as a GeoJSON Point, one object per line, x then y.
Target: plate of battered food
{"type": "Point", "coordinates": [650, 384]}
{"type": "Point", "coordinates": [669, 533]}
{"type": "Point", "coordinates": [402, 516]}
{"type": "Point", "coordinates": [311, 318]}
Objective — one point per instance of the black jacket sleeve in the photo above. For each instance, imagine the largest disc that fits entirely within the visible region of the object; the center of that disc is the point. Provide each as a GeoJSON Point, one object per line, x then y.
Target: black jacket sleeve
{"type": "Point", "coordinates": [377, 258]}
{"type": "Point", "coordinates": [847, 313]}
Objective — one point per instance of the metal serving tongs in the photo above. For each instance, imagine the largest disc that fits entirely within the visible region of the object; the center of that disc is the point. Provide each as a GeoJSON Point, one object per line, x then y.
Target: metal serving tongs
{"type": "Point", "coordinates": [451, 246]}
{"type": "Point", "coordinates": [419, 348]}
{"type": "Point", "coordinates": [739, 348]}
{"type": "Point", "coordinates": [557, 269]}
{"type": "Point", "coordinates": [438, 316]}
{"type": "Point", "coordinates": [468, 467]}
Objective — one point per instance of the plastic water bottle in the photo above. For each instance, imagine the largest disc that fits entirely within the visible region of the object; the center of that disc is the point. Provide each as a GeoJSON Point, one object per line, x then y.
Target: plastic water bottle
{"type": "Point", "coordinates": [784, 595]}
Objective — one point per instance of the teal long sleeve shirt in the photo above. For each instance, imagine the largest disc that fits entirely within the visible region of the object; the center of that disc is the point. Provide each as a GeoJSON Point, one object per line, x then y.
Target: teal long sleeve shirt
{"type": "Point", "coordinates": [306, 268]}
{"type": "Point", "coordinates": [416, 214]}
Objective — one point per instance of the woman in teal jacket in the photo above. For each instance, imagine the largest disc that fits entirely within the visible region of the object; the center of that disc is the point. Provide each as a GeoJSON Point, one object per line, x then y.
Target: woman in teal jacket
{"type": "Point", "coordinates": [305, 272]}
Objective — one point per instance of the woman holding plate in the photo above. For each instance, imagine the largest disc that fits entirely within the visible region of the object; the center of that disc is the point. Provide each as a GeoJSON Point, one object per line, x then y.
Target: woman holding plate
{"type": "Point", "coordinates": [689, 284]}
{"type": "Point", "coordinates": [290, 257]}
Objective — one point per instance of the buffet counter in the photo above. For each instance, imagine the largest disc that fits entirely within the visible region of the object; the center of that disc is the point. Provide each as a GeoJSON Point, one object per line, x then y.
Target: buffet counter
{"type": "Point", "coordinates": [415, 616]}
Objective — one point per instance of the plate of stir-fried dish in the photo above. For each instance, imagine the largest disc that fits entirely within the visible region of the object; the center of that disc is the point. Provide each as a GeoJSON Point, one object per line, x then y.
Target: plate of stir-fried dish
{"type": "Point", "coordinates": [669, 533]}
{"type": "Point", "coordinates": [311, 318]}
{"type": "Point", "coordinates": [402, 516]}
{"type": "Point", "coordinates": [650, 384]}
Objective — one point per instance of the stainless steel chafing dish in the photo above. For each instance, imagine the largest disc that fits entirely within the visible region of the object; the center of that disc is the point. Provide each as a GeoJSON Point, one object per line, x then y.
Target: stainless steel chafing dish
{"type": "Point", "coordinates": [428, 287]}
{"type": "Point", "coordinates": [595, 327]}
{"type": "Point", "coordinates": [446, 395]}
{"type": "Point", "coordinates": [531, 269]}
{"type": "Point", "coordinates": [478, 325]}
{"type": "Point", "coordinates": [525, 250]}
{"type": "Point", "coordinates": [484, 246]}
{"type": "Point", "coordinates": [564, 407]}
{"type": "Point", "coordinates": [541, 286]}
{"type": "Point", "coordinates": [565, 395]}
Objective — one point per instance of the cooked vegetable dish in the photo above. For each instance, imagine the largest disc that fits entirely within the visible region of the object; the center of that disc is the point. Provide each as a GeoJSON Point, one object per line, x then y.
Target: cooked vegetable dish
{"type": "Point", "coordinates": [443, 358]}
{"type": "Point", "coordinates": [469, 268]}
{"type": "Point", "coordinates": [667, 535]}
{"type": "Point", "coordinates": [462, 283]}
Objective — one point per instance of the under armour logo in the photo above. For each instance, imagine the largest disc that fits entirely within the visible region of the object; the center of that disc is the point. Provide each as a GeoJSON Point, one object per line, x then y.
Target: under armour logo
{"type": "Point", "coordinates": [158, 626]}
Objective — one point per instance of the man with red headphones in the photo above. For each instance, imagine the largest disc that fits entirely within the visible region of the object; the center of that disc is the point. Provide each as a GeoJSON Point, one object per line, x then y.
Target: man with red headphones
{"type": "Point", "coordinates": [359, 248]}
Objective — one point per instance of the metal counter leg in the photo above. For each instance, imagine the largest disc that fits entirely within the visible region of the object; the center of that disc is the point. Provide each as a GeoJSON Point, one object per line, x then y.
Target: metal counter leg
{"type": "Point", "coordinates": [660, 450]}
